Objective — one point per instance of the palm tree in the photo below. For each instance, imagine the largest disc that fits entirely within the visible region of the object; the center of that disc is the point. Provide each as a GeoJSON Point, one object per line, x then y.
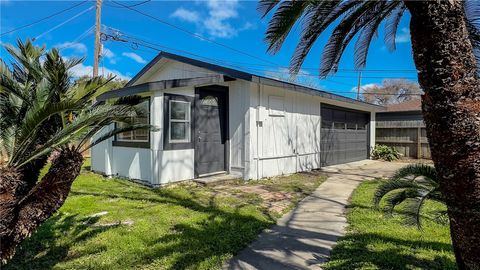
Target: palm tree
{"type": "Point", "coordinates": [42, 111]}
{"type": "Point", "coordinates": [414, 183]}
{"type": "Point", "coordinates": [445, 37]}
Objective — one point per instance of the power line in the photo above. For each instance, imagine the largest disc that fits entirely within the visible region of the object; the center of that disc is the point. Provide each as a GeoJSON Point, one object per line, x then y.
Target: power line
{"type": "Point", "coordinates": [43, 19]}
{"type": "Point", "coordinates": [137, 42]}
{"type": "Point", "coordinates": [209, 73]}
{"type": "Point", "coordinates": [194, 34]}
{"type": "Point", "coordinates": [121, 37]}
{"type": "Point", "coordinates": [63, 23]}
{"type": "Point", "coordinates": [134, 5]}
{"type": "Point", "coordinates": [78, 39]}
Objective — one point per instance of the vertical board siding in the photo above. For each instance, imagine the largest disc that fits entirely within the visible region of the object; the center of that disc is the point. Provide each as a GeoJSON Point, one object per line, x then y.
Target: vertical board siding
{"type": "Point", "coordinates": [407, 136]}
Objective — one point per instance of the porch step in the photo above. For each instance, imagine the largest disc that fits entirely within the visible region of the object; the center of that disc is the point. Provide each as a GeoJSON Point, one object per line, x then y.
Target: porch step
{"type": "Point", "coordinates": [216, 179]}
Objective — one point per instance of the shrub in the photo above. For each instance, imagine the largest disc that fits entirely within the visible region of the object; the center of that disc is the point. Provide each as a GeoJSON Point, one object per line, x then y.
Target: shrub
{"type": "Point", "coordinates": [385, 152]}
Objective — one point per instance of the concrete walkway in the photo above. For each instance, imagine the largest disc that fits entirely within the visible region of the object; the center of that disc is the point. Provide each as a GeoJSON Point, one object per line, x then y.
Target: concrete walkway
{"type": "Point", "coordinates": [303, 238]}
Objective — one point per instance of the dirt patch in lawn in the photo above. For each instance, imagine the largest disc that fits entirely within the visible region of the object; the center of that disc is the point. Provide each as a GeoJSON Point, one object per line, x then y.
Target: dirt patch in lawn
{"type": "Point", "coordinates": [275, 194]}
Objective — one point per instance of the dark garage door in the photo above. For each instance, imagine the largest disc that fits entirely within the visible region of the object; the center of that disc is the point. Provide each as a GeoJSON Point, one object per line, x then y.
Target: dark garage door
{"type": "Point", "coordinates": [344, 135]}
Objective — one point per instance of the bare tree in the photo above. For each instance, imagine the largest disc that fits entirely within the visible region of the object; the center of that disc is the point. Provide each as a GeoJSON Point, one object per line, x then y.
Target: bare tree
{"type": "Point", "coordinates": [391, 91]}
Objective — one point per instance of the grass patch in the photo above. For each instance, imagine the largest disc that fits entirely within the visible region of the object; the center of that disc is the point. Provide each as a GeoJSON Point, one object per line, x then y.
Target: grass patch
{"type": "Point", "coordinates": [183, 226]}
{"type": "Point", "coordinates": [374, 241]}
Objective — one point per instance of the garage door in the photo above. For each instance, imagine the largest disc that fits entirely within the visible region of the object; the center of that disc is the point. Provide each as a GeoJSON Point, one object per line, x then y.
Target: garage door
{"type": "Point", "coordinates": [344, 135]}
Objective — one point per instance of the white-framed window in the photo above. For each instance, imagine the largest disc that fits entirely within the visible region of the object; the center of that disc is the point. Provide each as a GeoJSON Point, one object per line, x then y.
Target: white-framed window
{"type": "Point", "coordinates": [179, 121]}
{"type": "Point", "coordinates": [140, 135]}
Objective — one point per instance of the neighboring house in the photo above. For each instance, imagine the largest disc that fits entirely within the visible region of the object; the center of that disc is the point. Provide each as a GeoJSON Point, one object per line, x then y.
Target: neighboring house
{"type": "Point", "coordinates": [401, 126]}
{"type": "Point", "coordinates": [213, 119]}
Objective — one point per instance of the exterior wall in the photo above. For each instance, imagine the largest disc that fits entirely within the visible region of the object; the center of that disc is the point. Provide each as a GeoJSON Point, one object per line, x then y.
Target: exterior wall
{"type": "Point", "coordinates": [238, 108]}
{"type": "Point", "coordinates": [172, 165]}
{"type": "Point", "coordinates": [284, 132]}
{"type": "Point", "coordinates": [272, 131]}
{"type": "Point", "coordinates": [133, 163]}
{"type": "Point", "coordinates": [157, 166]}
{"type": "Point", "coordinates": [101, 154]}
{"type": "Point", "coordinates": [168, 69]}
{"type": "Point", "coordinates": [283, 136]}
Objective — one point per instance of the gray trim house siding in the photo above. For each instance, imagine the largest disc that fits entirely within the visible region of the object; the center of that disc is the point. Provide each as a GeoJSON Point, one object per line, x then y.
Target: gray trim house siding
{"type": "Point", "coordinates": [160, 85]}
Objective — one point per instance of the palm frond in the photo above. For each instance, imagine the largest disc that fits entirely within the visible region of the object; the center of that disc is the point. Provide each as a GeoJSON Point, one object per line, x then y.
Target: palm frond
{"type": "Point", "coordinates": [391, 26]}
{"type": "Point", "coordinates": [119, 130]}
{"type": "Point", "coordinates": [417, 170]}
{"type": "Point", "coordinates": [284, 18]}
{"type": "Point", "coordinates": [265, 6]}
{"type": "Point", "coordinates": [369, 31]}
{"type": "Point", "coordinates": [315, 23]}
{"type": "Point", "coordinates": [75, 130]}
{"type": "Point", "coordinates": [392, 185]}
{"type": "Point", "coordinates": [414, 207]}
{"type": "Point", "coordinates": [35, 117]}
{"type": "Point", "coordinates": [128, 100]}
{"type": "Point", "coordinates": [344, 32]}
{"type": "Point", "coordinates": [394, 198]}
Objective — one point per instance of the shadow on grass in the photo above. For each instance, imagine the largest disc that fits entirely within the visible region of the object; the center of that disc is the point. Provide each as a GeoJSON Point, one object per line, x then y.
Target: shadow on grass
{"type": "Point", "coordinates": [186, 245]}
{"type": "Point", "coordinates": [43, 251]}
{"type": "Point", "coordinates": [353, 253]}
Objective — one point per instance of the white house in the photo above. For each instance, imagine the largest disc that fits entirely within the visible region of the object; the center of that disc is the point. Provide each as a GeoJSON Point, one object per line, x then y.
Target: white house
{"type": "Point", "coordinates": [213, 119]}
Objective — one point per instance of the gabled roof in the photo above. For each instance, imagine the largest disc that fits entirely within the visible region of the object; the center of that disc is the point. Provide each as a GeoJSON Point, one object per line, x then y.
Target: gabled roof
{"type": "Point", "coordinates": [237, 74]}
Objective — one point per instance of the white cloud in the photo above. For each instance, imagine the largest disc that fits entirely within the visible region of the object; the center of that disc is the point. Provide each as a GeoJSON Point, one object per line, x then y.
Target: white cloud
{"type": "Point", "coordinates": [186, 15]}
{"type": "Point", "coordinates": [220, 12]}
{"type": "Point", "coordinates": [403, 36]}
{"type": "Point", "coordinates": [75, 46]}
{"type": "Point", "coordinates": [364, 86]}
{"type": "Point", "coordinates": [217, 21]}
{"type": "Point", "coordinates": [82, 70]}
{"type": "Point", "coordinates": [135, 57]}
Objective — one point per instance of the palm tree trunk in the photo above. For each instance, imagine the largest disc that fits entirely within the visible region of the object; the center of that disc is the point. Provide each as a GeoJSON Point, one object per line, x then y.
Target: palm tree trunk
{"type": "Point", "coordinates": [451, 108]}
{"type": "Point", "coordinates": [25, 214]}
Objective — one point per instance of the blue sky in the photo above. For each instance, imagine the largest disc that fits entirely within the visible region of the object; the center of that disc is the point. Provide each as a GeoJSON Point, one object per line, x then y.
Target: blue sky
{"type": "Point", "coordinates": [234, 23]}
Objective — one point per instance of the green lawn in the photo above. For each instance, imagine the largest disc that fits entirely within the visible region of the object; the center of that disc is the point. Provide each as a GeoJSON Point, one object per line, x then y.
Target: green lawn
{"type": "Point", "coordinates": [376, 242]}
{"type": "Point", "coordinates": [183, 226]}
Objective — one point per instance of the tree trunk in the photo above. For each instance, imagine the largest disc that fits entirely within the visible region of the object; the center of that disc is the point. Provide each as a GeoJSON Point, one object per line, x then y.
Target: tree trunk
{"type": "Point", "coordinates": [25, 214]}
{"type": "Point", "coordinates": [446, 64]}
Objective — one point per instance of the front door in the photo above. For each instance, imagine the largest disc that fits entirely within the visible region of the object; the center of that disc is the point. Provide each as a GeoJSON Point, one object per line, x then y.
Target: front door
{"type": "Point", "coordinates": [210, 130]}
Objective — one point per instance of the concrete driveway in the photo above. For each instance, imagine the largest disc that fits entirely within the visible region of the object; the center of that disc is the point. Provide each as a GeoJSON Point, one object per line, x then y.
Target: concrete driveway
{"type": "Point", "coordinates": [304, 238]}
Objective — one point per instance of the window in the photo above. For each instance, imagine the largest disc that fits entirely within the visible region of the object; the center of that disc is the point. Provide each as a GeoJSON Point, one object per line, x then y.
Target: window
{"type": "Point", "coordinates": [137, 135]}
{"type": "Point", "coordinates": [179, 121]}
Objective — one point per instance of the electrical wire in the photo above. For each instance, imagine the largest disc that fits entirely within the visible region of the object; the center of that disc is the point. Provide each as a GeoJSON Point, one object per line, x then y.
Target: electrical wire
{"type": "Point", "coordinates": [134, 5]}
{"type": "Point", "coordinates": [227, 46]}
{"type": "Point", "coordinates": [43, 19]}
{"type": "Point", "coordinates": [153, 46]}
{"type": "Point", "coordinates": [78, 39]}
{"type": "Point", "coordinates": [194, 34]}
{"type": "Point", "coordinates": [63, 23]}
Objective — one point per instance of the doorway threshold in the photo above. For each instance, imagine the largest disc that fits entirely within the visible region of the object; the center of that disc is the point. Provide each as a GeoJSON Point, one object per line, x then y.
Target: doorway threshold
{"type": "Point", "coordinates": [215, 178]}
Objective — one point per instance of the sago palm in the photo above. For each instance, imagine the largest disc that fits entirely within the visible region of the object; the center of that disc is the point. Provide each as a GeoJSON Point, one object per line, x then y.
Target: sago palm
{"type": "Point", "coordinates": [413, 184]}
{"type": "Point", "coordinates": [445, 39]}
{"type": "Point", "coordinates": [42, 110]}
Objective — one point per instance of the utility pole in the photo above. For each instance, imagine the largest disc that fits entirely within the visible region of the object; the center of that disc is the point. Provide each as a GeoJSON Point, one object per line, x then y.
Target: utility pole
{"type": "Point", "coordinates": [98, 26]}
{"type": "Point", "coordinates": [358, 85]}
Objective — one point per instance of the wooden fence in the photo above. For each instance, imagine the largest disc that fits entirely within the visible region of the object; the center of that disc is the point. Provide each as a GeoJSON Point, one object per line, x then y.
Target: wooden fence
{"type": "Point", "coordinates": [405, 133]}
